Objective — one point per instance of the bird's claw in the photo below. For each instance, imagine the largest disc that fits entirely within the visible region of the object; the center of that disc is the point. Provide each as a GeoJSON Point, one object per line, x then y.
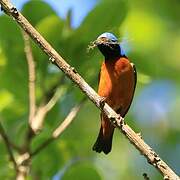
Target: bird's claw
{"type": "Point", "coordinates": [102, 101]}
{"type": "Point", "coordinates": [120, 120]}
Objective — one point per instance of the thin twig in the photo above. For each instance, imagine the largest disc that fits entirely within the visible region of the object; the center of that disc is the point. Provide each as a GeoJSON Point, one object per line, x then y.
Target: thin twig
{"type": "Point", "coordinates": [60, 129]}
{"type": "Point", "coordinates": [23, 162]}
{"type": "Point", "coordinates": [37, 116]}
{"type": "Point", "coordinates": [50, 99]}
{"type": "Point", "coordinates": [32, 76]}
{"type": "Point", "coordinates": [44, 109]}
{"type": "Point", "coordinates": [23, 168]}
{"type": "Point", "coordinates": [8, 146]}
{"type": "Point", "coordinates": [49, 93]}
{"type": "Point", "coordinates": [56, 59]}
{"type": "Point", "coordinates": [59, 92]}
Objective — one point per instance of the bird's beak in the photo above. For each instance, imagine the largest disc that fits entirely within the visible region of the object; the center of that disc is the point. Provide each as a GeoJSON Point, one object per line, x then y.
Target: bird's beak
{"type": "Point", "coordinates": [102, 40]}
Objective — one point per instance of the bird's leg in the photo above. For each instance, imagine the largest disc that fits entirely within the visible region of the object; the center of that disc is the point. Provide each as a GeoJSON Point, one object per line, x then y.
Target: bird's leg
{"type": "Point", "coordinates": [117, 121]}
{"type": "Point", "coordinates": [120, 119]}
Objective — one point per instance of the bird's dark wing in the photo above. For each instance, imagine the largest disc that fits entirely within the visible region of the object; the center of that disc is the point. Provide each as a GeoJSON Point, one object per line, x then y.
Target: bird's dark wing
{"type": "Point", "coordinates": [135, 75]}
{"type": "Point", "coordinates": [135, 81]}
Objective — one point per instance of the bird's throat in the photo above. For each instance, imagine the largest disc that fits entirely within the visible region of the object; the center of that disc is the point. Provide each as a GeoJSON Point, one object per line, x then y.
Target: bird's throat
{"type": "Point", "coordinates": [110, 51]}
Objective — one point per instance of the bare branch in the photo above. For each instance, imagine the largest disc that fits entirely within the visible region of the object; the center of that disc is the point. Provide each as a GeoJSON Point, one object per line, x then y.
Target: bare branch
{"type": "Point", "coordinates": [32, 77]}
{"type": "Point", "coordinates": [23, 162]}
{"type": "Point", "coordinates": [36, 118]}
{"type": "Point", "coordinates": [8, 146]}
{"type": "Point", "coordinates": [21, 170]}
{"type": "Point", "coordinates": [60, 129]}
{"type": "Point", "coordinates": [49, 93]}
{"type": "Point", "coordinates": [44, 109]}
{"type": "Point", "coordinates": [54, 99]}
{"type": "Point", "coordinates": [67, 121]}
{"type": "Point", "coordinates": [56, 59]}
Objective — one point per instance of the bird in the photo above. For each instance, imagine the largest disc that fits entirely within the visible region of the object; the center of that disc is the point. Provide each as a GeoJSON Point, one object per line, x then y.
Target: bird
{"type": "Point", "coordinates": [117, 82]}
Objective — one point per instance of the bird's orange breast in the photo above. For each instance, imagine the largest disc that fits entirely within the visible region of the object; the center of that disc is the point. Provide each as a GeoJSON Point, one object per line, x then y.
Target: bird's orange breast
{"type": "Point", "coordinates": [117, 82]}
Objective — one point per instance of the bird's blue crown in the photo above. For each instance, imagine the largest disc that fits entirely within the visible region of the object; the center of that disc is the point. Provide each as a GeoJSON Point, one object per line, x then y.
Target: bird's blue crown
{"type": "Point", "coordinates": [108, 35]}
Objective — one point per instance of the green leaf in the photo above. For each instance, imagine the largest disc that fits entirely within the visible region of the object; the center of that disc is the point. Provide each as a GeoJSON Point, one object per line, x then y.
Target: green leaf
{"type": "Point", "coordinates": [48, 162]}
{"type": "Point", "coordinates": [7, 171]}
{"type": "Point", "coordinates": [36, 10]}
{"type": "Point", "coordinates": [54, 37]}
{"type": "Point", "coordinates": [107, 16]}
{"type": "Point", "coordinates": [14, 70]}
{"type": "Point", "coordinates": [6, 99]}
{"type": "Point", "coordinates": [82, 171]}
{"type": "Point", "coordinates": [51, 28]}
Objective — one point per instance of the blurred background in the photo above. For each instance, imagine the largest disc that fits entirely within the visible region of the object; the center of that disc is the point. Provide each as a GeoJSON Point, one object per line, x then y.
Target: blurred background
{"type": "Point", "coordinates": [149, 32]}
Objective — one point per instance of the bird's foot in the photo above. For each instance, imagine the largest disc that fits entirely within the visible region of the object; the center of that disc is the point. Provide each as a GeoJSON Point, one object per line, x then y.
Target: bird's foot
{"type": "Point", "coordinates": [102, 101]}
{"type": "Point", "coordinates": [120, 120]}
{"type": "Point", "coordinates": [117, 121]}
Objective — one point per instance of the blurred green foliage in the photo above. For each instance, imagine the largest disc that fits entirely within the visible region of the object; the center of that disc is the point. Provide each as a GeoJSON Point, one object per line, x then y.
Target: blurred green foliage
{"type": "Point", "coordinates": [152, 30]}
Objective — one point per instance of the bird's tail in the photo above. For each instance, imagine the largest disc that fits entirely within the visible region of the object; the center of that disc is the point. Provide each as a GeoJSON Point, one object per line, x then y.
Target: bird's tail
{"type": "Point", "coordinates": [104, 139]}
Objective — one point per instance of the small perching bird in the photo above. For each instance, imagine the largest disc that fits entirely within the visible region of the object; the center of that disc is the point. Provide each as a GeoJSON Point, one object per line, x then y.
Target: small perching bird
{"type": "Point", "coordinates": [117, 82]}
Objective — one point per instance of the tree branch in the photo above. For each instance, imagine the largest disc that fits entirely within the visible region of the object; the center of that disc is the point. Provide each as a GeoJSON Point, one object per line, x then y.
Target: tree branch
{"type": "Point", "coordinates": [21, 169]}
{"type": "Point", "coordinates": [8, 146]}
{"type": "Point", "coordinates": [56, 59]}
{"type": "Point", "coordinates": [70, 117]}
{"type": "Point", "coordinates": [60, 129]}
{"type": "Point", "coordinates": [32, 77]}
{"type": "Point", "coordinates": [49, 93]}
{"type": "Point", "coordinates": [36, 118]}
{"type": "Point", "coordinates": [23, 162]}
{"type": "Point", "coordinates": [44, 109]}
{"type": "Point", "coordinates": [32, 90]}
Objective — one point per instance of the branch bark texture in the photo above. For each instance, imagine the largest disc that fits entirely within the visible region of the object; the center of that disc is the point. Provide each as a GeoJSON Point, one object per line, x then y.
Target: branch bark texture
{"type": "Point", "coordinates": [32, 77]}
{"type": "Point", "coordinates": [56, 59]}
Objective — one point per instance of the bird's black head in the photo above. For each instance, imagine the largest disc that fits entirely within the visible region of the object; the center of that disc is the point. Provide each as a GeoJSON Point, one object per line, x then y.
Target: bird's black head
{"type": "Point", "coordinates": [109, 46]}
